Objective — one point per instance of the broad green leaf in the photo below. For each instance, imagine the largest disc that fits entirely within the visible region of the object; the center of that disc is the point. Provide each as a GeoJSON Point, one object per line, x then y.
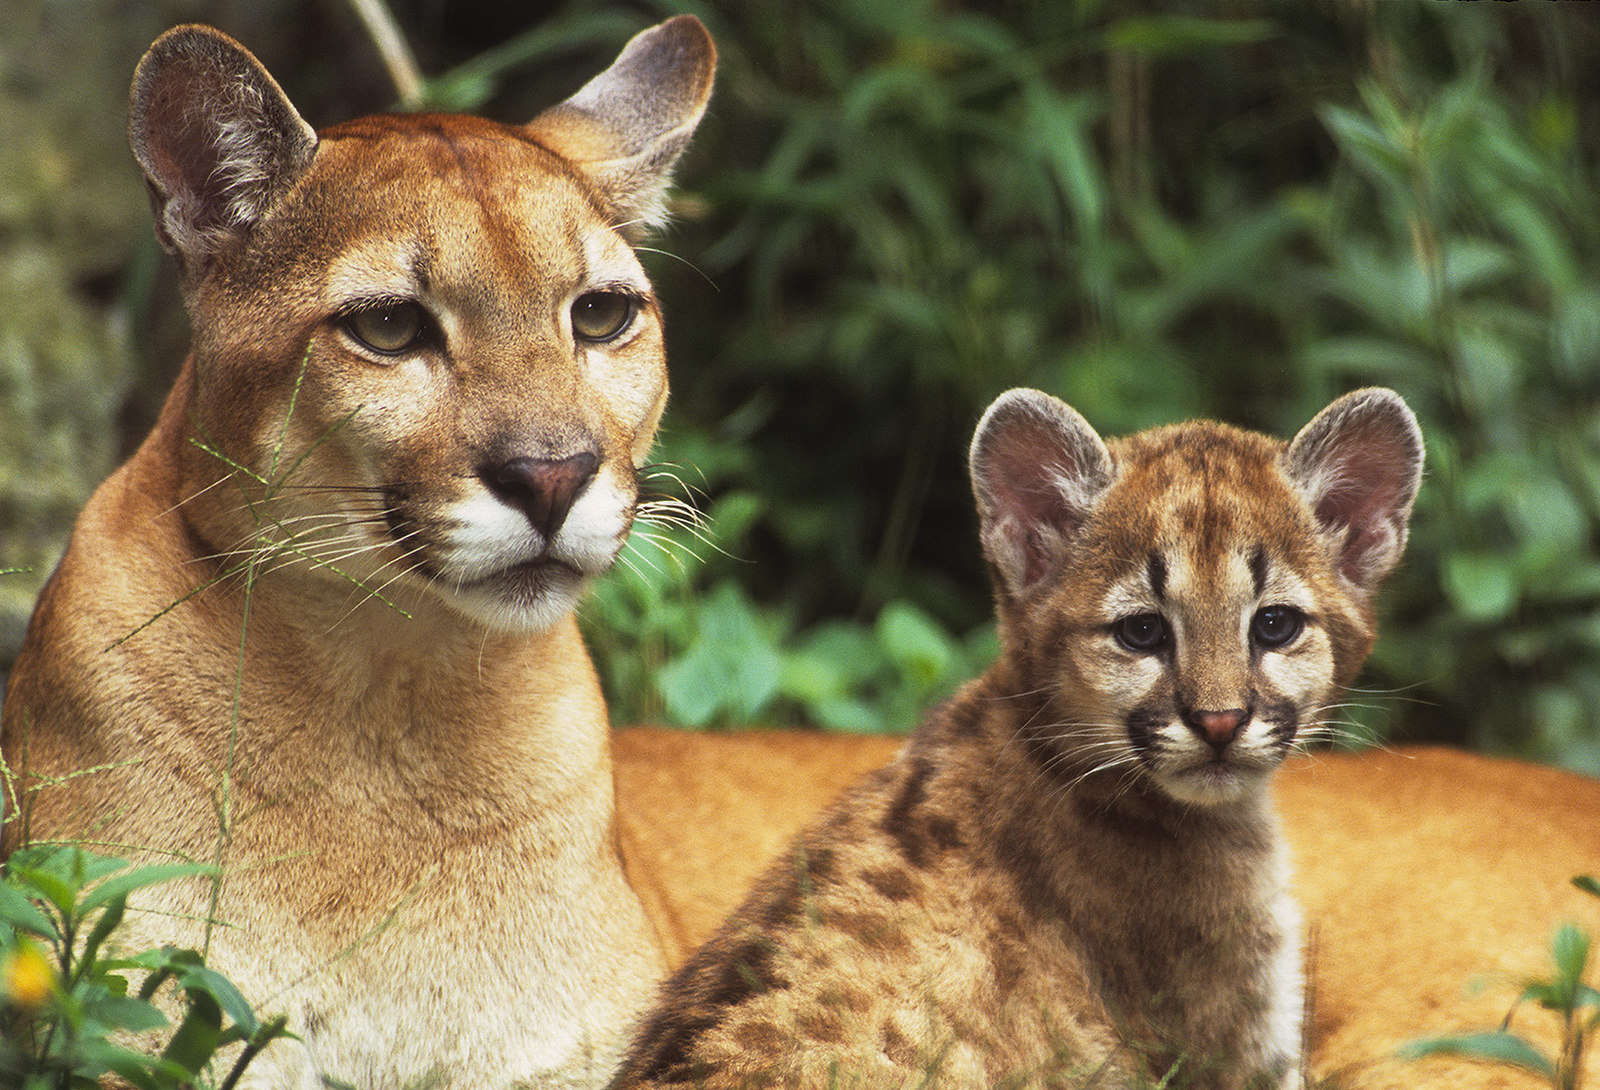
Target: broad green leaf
{"type": "Point", "coordinates": [732, 668]}
{"type": "Point", "coordinates": [848, 716]}
{"type": "Point", "coordinates": [139, 878]}
{"type": "Point", "coordinates": [196, 1038]}
{"type": "Point", "coordinates": [60, 892]}
{"type": "Point", "coordinates": [126, 1013]}
{"type": "Point", "coordinates": [1495, 1046]}
{"type": "Point", "coordinates": [1164, 35]}
{"type": "Point", "coordinates": [1480, 585]}
{"type": "Point", "coordinates": [1570, 949]}
{"type": "Point", "coordinates": [916, 644]}
{"type": "Point", "coordinates": [21, 913]}
{"type": "Point", "coordinates": [201, 978]}
{"type": "Point", "coordinates": [143, 1071]}
{"type": "Point", "coordinates": [1368, 146]}
{"type": "Point", "coordinates": [1368, 358]}
{"type": "Point", "coordinates": [108, 922]}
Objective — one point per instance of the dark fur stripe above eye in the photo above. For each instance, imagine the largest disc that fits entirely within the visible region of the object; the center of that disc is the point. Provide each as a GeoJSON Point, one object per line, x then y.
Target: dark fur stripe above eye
{"type": "Point", "coordinates": [1258, 570]}
{"type": "Point", "coordinates": [1157, 569]}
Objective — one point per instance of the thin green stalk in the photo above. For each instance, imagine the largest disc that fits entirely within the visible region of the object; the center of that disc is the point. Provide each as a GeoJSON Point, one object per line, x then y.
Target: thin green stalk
{"type": "Point", "coordinates": [385, 33]}
{"type": "Point", "coordinates": [1570, 1062]}
{"type": "Point", "coordinates": [225, 787]}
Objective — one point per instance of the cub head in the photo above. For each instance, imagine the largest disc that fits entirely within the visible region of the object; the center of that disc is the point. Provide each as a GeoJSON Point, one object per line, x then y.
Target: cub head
{"type": "Point", "coordinates": [1189, 600]}
{"type": "Point", "coordinates": [426, 358]}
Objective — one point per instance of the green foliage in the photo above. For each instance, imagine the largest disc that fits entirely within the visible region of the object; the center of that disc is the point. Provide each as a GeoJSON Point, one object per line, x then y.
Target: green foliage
{"type": "Point", "coordinates": [896, 209]}
{"type": "Point", "coordinates": [68, 1006]}
{"type": "Point", "coordinates": [1563, 994]}
{"type": "Point", "coordinates": [907, 208]}
{"type": "Point", "coordinates": [706, 655]}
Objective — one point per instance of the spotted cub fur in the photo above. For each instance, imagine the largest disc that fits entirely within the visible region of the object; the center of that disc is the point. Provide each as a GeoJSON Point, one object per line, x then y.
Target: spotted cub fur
{"type": "Point", "coordinates": [1071, 875]}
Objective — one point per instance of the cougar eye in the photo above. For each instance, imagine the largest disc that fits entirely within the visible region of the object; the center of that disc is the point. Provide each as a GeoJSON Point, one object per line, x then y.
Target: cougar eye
{"type": "Point", "coordinates": [1142, 633]}
{"type": "Point", "coordinates": [388, 329]}
{"type": "Point", "coordinates": [1275, 626]}
{"type": "Point", "coordinates": [600, 316]}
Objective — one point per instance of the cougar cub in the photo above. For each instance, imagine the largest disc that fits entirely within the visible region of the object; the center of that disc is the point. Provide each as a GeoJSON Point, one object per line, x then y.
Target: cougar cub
{"type": "Point", "coordinates": [1072, 875]}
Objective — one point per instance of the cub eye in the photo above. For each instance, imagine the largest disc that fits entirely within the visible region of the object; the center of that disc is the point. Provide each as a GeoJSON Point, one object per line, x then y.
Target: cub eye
{"type": "Point", "coordinates": [1142, 633]}
{"type": "Point", "coordinates": [1275, 626]}
{"type": "Point", "coordinates": [388, 329]}
{"type": "Point", "coordinates": [600, 316]}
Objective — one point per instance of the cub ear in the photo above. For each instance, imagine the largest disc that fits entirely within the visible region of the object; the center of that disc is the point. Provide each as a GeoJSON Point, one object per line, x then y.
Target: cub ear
{"type": "Point", "coordinates": [216, 136]}
{"type": "Point", "coordinates": [1038, 469]}
{"type": "Point", "coordinates": [626, 127]}
{"type": "Point", "coordinates": [1359, 464]}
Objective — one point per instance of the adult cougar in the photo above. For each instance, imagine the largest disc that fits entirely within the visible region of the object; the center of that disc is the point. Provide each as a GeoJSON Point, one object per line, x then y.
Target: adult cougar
{"type": "Point", "coordinates": [318, 628]}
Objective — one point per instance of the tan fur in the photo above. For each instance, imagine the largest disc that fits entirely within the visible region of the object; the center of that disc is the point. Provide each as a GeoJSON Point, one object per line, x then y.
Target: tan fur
{"type": "Point", "coordinates": [1071, 876]}
{"type": "Point", "coordinates": [1430, 879]}
{"type": "Point", "coordinates": [1420, 871]}
{"type": "Point", "coordinates": [318, 628]}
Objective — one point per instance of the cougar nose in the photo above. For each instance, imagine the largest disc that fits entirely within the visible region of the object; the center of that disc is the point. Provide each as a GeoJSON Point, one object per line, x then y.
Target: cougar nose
{"type": "Point", "coordinates": [1218, 729]}
{"type": "Point", "coordinates": [544, 489]}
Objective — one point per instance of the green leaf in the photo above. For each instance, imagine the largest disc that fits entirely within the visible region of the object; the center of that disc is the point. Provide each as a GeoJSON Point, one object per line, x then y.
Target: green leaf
{"type": "Point", "coordinates": [915, 643]}
{"type": "Point", "coordinates": [731, 670]}
{"type": "Point", "coordinates": [197, 1036]}
{"type": "Point", "coordinates": [61, 893]}
{"type": "Point", "coordinates": [1480, 585]}
{"type": "Point", "coordinates": [127, 1013]}
{"type": "Point", "coordinates": [1495, 1046]}
{"type": "Point", "coordinates": [1374, 150]}
{"type": "Point", "coordinates": [1570, 949]}
{"type": "Point", "coordinates": [143, 1071]}
{"type": "Point", "coordinates": [204, 980]}
{"type": "Point", "coordinates": [139, 878]}
{"type": "Point", "coordinates": [1165, 35]}
{"type": "Point", "coordinates": [21, 913]}
{"type": "Point", "coordinates": [847, 715]}
{"type": "Point", "coordinates": [1588, 883]}
{"type": "Point", "coordinates": [108, 922]}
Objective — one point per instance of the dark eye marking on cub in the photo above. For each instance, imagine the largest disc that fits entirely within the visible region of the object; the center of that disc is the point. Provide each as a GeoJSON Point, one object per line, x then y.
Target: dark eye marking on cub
{"type": "Point", "coordinates": [1156, 569]}
{"type": "Point", "coordinates": [1258, 570]}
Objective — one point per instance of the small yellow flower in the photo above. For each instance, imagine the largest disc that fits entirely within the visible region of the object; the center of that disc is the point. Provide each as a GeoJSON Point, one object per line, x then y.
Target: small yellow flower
{"type": "Point", "coordinates": [27, 978]}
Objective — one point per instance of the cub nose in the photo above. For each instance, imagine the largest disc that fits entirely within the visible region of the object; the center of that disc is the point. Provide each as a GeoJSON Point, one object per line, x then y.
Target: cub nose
{"type": "Point", "coordinates": [544, 489]}
{"type": "Point", "coordinates": [1218, 728]}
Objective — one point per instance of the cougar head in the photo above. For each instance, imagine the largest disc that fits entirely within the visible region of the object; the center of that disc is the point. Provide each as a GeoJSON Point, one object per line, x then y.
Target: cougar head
{"type": "Point", "coordinates": [427, 361]}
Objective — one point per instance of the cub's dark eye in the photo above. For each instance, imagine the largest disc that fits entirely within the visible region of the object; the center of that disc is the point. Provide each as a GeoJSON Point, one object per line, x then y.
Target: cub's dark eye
{"type": "Point", "coordinates": [600, 316]}
{"type": "Point", "coordinates": [1275, 626]}
{"type": "Point", "coordinates": [389, 329]}
{"type": "Point", "coordinates": [1142, 633]}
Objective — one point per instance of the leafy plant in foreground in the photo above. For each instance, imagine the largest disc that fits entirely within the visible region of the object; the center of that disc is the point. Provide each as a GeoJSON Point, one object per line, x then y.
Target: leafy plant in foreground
{"type": "Point", "coordinates": [65, 1001]}
{"type": "Point", "coordinates": [1563, 993]}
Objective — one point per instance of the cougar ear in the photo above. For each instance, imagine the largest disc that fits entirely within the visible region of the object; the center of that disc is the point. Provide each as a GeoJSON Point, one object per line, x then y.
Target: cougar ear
{"type": "Point", "coordinates": [1038, 469]}
{"type": "Point", "coordinates": [626, 127]}
{"type": "Point", "coordinates": [1359, 464]}
{"type": "Point", "coordinates": [216, 136]}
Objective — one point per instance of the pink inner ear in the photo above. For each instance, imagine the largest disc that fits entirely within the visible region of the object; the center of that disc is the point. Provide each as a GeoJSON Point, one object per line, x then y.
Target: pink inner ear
{"type": "Point", "coordinates": [1368, 493]}
{"type": "Point", "coordinates": [185, 153]}
{"type": "Point", "coordinates": [1037, 469]}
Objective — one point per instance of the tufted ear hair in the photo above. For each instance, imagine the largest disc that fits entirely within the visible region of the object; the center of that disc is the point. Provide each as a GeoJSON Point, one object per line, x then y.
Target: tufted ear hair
{"type": "Point", "coordinates": [1358, 464]}
{"type": "Point", "coordinates": [1038, 469]}
{"type": "Point", "coordinates": [626, 128]}
{"type": "Point", "coordinates": [217, 138]}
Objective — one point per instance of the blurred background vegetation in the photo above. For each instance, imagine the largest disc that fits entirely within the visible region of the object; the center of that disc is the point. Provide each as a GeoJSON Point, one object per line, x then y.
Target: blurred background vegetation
{"type": "Point", "coordinates": [896, 210]}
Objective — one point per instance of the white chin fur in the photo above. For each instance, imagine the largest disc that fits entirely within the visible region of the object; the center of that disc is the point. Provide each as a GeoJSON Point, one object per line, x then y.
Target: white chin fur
{"type": "Point", "coordinates": [1212, 785]}
{"type": "Point", "coordinates": [517, 611]}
